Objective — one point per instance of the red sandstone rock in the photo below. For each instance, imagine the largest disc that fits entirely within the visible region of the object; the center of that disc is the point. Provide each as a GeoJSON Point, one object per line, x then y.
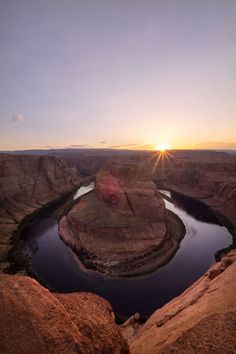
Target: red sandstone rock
{"type": "Point", "coordinates": [27, 183]}
{"type": "Point", "coordinates": [120, 227]}
{"type": "Point", "coordinates": [201, 320]}
{"type": "Point", "coordinates": [211, 180]}
{"type": "Point", "coordinates": [33, 320]}
{"type": "Point", "coordinates": [94, 318]}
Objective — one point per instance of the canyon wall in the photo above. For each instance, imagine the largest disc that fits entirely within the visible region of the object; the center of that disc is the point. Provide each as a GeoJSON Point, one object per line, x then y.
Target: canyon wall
{"type": "Point", "coordinates": [210, 180]}
{"type": "Point", "coordinates": [30, 182]}
{"type": "Point", "coordinates": [27, 183]}
{"type": "Point", "coordinates": [202, 320]}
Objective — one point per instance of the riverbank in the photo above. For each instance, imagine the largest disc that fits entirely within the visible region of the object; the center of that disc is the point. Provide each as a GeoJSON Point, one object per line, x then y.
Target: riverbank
{"type": "Point", "coordinates": [200, 320]}
{"type": "Point", "coordinates": [190, 328]}
{"type": "Point", "coordinates": [122, 228]}
{"type": "Point", "coordinates": [61, 269]}
{"type": "Point", "coordinates": [17, 260]}
{"type": "Point", "coordinates": [29, 184]}
{"type": "Point", "coordinates": [208, 202]}
{"type": "Point", "coordinates": [211, 182]}
{"type": "Point", "coordinates": [146, 263]}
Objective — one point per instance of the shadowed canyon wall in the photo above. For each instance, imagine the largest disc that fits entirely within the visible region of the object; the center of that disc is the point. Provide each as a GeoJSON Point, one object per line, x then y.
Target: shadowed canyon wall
{"type": "Point", "coordinates": [27, 183]}
{"type": "Point", "coordinates": [211, 180]}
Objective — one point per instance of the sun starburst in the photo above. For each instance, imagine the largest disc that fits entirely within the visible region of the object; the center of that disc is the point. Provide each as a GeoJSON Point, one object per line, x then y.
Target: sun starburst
{"type": "Point", "coordinates": [162, 147]}
{"type": "Point", "coordinates": [161, 159]}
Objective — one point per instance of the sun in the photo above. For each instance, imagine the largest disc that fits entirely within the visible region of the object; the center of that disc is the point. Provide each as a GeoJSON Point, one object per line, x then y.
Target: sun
{"type": "Point", "coordinates": [162, 147]}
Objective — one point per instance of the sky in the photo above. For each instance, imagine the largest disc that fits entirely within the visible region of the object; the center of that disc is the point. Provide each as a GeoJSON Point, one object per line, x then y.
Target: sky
{"type": "Point", "coordinates": [117, 73]}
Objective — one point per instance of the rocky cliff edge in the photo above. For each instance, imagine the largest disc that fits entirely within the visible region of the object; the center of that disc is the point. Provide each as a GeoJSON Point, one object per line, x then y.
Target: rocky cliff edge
{"type": "Point", "coordinates": [33, 320]}
{"type": "Point", "coordinates": [202, 320]}
{"type": "Point", "coordinates": [27, 183]}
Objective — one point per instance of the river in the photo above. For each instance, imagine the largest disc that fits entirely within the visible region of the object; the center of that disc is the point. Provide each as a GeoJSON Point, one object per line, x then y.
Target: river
{"type": "Point", "coordinates": [60, 269]}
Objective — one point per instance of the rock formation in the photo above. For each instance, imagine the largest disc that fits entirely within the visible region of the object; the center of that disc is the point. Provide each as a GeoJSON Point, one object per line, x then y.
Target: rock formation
{"type": "Point", "coordinates": [94, 318]}
{"type": "Point", "coordinates": [30, 181]}
{"type": "Point", "coordinates": [211, 180]}
{"type": "Point", "coordinates": [122, 227]}
{"type": "Point", "coordinates": [27, 183]}
{"type": "Point", "coordinates": [33, 320]}
{"type": "Point", "coordinates": [201, 320]}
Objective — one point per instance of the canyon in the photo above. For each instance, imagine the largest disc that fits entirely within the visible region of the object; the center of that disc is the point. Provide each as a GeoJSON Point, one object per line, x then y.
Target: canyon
{"type": "Point", "coordinates": [27, 184]}
{"type": "Point", "coordinates": [210, 179]}
{"type": "Point", "coordinates": [122, 227]}
{"type": "Point", "coordinates": [201, 320]}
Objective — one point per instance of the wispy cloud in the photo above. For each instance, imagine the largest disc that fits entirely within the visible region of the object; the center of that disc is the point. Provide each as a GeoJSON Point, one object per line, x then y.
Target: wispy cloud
{"type": "Point", "coordinates": [134, 146]}
{"type": "Point", "coordinates": [122, 146]}
{"type": "Point", "coordinates": [102, 142]}
{"type": "Point", "coordinates": [18, 118]}
{"type": "Point", "coordinates": [78, 146]}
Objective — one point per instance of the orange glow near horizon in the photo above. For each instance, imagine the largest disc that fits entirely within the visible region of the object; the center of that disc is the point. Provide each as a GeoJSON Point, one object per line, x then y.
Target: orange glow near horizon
{"type": "Point", "coordinates": [176, 144]}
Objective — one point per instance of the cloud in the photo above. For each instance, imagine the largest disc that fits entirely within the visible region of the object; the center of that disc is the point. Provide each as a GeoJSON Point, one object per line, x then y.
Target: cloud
{"type": "Point", "coordinates": [122, 146]}
{"type": "Point", "coordinates": [18, 118]}
{"type": "Point", "coordinates": [78, 146]}
{"type": "Point", "coordinates": [133, 147]}
{"type": "Point", "coordinates": [50, 147]}
{"type": "Point", "coordinates": [102, 142]}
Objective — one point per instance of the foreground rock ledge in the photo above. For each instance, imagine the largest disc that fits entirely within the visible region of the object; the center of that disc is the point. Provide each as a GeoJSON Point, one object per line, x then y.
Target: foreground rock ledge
{"type": "Point", "coordinates": [122, 228]}
{"type": "Point", "coordinates": [33, 320]}
{"type": "Point", "coordinates": [201, 320]}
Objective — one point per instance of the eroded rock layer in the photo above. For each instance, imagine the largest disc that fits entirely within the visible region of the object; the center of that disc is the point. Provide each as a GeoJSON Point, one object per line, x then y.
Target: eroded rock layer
{"type": "Point", "coordinates": [32, 320]}
{"type": "Point", "coordinates": [27, 183]}
{"type": "Point", "coordinates": [122, 227]}
{"type": "Point", "coordinates": [211, 180]}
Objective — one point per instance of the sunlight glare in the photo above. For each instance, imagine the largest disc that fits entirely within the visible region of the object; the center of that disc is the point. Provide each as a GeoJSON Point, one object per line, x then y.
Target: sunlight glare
{"type": "Point", "coordinates": [162, 147]}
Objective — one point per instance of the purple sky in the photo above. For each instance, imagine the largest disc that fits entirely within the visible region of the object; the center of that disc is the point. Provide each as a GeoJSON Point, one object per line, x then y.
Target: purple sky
{"type": "Point", "coordinates": [105, 73]}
